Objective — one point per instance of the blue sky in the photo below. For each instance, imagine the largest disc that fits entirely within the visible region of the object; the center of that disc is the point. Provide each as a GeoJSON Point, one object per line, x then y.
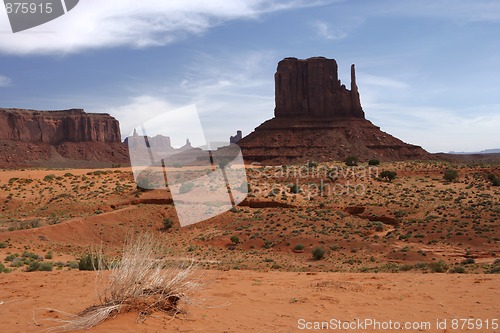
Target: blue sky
{"type": "Point", "coordinates": [427, 70]}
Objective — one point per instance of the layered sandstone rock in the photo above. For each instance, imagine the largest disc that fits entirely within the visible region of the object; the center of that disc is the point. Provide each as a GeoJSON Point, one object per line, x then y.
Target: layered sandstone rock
{"type": "Point", "coordinates": [56, 127]}
{"type": "Point", "coordinates": [318, 118]}
{"type": "Point", "coordinates": [59, 138]}
{"type": "Point", "coordinates": [311, 88]}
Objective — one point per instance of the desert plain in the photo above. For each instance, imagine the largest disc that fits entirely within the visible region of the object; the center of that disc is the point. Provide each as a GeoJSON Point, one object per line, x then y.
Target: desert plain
{"type": "Point", "coordinates": [418, 249]}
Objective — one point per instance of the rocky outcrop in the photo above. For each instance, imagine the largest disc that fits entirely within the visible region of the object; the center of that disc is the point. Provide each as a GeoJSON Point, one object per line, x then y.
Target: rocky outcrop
{"type": "Point", "coordinates": [160, 142]}
{"type": "Point", "coordinates": [318, 118]}
{"type": "Point", "coordinates": [57, 127]}
{"type": "Point", "coordinates": [59, 138]}
{"type": "Point", "coordinates": [236, 138]}
{"type": "Point", "coordinates": [311, 88]}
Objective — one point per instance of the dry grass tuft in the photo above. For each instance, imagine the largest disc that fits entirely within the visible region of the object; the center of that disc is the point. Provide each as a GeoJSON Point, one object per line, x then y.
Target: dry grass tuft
{"type": "Point", "coordinates": [138, 282]}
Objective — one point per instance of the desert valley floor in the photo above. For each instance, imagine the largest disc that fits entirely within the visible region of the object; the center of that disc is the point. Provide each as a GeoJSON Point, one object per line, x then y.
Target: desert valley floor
{"type": "Point", "coordinates": [417, 248]}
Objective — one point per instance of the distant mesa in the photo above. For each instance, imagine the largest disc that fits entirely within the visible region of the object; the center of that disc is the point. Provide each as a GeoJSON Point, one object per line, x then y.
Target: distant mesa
{"type": "Point", "coordinates": [318, 118]}
{"type": "Point", "coordinates": [55, 138]}
{"type": "Point", "coordinates": [486, 151]}
{"type": "Point", "coordinates": [152, 150]}
{"type": "Point", "coordinates": [158, 141]}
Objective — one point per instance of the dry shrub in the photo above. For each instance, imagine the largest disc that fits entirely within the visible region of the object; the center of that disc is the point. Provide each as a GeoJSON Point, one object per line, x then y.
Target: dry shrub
{"type": "Point", "coordinates": [138, 282]}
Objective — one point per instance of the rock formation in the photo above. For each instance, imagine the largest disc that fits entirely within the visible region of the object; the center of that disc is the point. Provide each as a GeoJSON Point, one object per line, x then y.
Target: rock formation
{"type": "Point", "coordinates": [56, 127]}
{"type": "Point", "coordinates": [318, 118]}
{"type": "Point", "coordinates": [311, 88]}
{"type": "Point", "coordinates": [236, 138]}
{"type": "Point", "coordinates": [159, 141]}
{"type": "Point", "coordinates": [30, 137]}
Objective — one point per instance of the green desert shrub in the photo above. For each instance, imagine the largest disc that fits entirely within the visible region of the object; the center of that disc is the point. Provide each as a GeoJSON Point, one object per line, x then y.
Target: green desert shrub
{"type": "Point", "coordinates": [235, 240]}
{"type": "Point", "coordinates": [450, 175]}
{"type": "Point", "coordinates": [494, 270]}
{"type": "Point", "coordinates": [351, 161]}
{"type": "Point", "coordinates": [438, 267]}
{"type": "Point", "coordinates": [495, 181]}
{"type": "Point", "coordinates": [388, 175]}
{"type": "Point", "coordinates": [49, 178]}
{"type": "Point", "coordinates": [468, 261]}
{"type": "Point", "coordinates": [373, 162]}
{"type": "Point", "coordinates": [457, 270]}
{"type": "Point", "coordinates": [312, 164]}
{"type": "Point", "coordinates": [168, 223]}
{"type": "Point", "coordinates": [4, 269]}
{"type": "Point", "coordinates": [39, 266]}
{"type": "Point", "coordinates": [298, 247]}
{"type": "Point", "coordinates": [318, 253]}
{"type": "Point", "coordinates": [11, 257]}
{"type": "Point", "coordinates": [294, 188]}
{"type": "Point", "coordinates": [89, 262]}
{"type": "Point", "coordinates": [31, 255]}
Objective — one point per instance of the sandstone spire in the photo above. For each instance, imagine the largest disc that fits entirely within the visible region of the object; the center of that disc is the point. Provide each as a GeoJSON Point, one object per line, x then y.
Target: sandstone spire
{"type": "Point", "coordinates": [356, 103]}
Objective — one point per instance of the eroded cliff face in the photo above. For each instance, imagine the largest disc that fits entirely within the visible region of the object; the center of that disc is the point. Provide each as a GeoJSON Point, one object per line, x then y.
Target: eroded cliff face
{"type": "Point", "coordinates": [311, 88]}
{"type": "Point", "coordinates": [57, 127]}
{"type": "Point", "coordinates": [59, 139]}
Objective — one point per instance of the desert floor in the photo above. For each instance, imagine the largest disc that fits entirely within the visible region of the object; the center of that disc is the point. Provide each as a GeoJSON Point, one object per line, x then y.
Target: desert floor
{"type": "Point", "coordinates": [249, 301]}
{"type": "Point", "coordinates": [417, 249]}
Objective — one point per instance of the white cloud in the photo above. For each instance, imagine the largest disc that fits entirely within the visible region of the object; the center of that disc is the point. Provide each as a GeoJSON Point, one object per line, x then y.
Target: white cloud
{"type": "Point", "coordinates": [439, 129]}
{"type": "Point", "coordinates": [138, 110]}
{"type": "Point", "coordinates": [380, 81]}
{"type": "Point", "coordinates": [324, 31]}
{"type": "Point", "coordinates": [5, 81]}
{"type": "Point", "coordinates": [110, 23]}
{"type": "Point", "coordinates": [231, 92]}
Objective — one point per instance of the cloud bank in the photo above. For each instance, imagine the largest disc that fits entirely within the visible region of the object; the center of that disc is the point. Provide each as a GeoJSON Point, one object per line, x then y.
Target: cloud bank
{"type": "Point", "coordinates": [138, 24]}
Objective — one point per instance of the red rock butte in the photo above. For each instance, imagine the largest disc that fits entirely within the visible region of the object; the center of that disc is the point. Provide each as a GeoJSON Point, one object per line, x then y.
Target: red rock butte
{"type": "Point", "coordinates": [311, 88]}
{"type": "Point", "coordinates": [318, 118]}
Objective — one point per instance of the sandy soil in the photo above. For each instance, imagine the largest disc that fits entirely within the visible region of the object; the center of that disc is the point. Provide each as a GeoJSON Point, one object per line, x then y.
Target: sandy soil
{"type": "Point", "coordinates": [260, 284]}
{"type": "Point", "coordinates": [248, 301]}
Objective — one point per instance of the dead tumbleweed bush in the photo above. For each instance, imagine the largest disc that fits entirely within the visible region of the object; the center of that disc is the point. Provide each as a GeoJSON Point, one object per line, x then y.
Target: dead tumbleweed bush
{"type": "Point", "coordinates": [140, 282]}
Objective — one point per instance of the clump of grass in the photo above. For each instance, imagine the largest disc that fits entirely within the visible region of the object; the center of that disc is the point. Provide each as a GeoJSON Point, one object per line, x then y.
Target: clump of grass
{"type": "Point", "coordinates": [139, 282]}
